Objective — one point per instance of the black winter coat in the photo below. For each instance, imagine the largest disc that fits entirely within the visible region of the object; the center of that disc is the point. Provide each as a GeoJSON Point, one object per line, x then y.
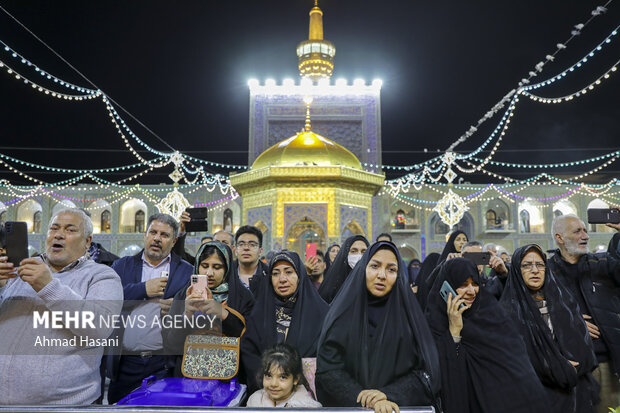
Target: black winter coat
{"type": "Point", "coordinates": [599, 283]}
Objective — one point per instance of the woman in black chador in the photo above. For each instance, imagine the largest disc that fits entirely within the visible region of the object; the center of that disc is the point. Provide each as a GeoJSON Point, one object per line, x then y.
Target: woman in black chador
{"type": "Point", "coordinates": [328, 255]}
{"type": "Point", "coordinates": [484, 364]}
{"type": "Point", "coordinates": [350, 253]}
{"type": "Point", "coordinates": [555, 335]}
{"type": "Point", "coordinates": [376, 349]}
{"type": "Point", "coordinates": [454, 245]}
{"type": "Point", "coordinates": [288, 309]}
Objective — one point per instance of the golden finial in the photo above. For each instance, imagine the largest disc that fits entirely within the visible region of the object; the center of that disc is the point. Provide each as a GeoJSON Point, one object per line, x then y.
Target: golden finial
{"type": "Point", "coordinates": [307, 101]}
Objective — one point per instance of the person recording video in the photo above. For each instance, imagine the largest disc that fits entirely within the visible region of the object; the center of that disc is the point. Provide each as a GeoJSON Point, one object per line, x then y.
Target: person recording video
{"type": "Point", "coordinates": [63, 278]}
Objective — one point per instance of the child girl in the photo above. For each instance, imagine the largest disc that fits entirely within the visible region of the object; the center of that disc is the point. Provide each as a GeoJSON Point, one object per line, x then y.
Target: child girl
{"type": "Point", "coordinates": [283, 380]}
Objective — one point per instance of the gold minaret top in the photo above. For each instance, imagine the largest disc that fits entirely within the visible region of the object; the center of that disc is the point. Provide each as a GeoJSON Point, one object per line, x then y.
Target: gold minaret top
{"type": "Point", "coordinates": [316, 56]}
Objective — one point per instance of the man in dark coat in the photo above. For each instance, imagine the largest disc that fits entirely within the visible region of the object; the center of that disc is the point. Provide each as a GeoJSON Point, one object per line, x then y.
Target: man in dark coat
{"type": "Point", "coordinates": [150, 280]}
{"type": "Point", "coordinates": [594, 280]}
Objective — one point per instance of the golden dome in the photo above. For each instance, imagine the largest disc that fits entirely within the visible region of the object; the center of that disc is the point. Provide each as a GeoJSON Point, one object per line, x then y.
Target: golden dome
{"type": "Point", "coordinates": [307, 148]}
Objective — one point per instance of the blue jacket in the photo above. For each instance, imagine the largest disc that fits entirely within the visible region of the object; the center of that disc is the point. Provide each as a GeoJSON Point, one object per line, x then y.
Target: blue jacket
{"type": "Point", "coordinates": [130, 271]}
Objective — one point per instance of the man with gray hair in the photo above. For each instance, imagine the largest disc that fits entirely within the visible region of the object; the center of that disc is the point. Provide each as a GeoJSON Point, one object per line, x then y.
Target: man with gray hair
{"type": "Point", "coordinates": [594, 280]}
{"type": "Point", "coordinates": [150, 279]}
{"type": "Point", "coordinates": [64, 279]}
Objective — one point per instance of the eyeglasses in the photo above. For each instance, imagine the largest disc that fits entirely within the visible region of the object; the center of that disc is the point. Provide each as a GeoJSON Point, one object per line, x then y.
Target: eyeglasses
{"type": "Point", "coordinates": [530, 265]}
{"type": "Point", "coordinates": [251, 245]}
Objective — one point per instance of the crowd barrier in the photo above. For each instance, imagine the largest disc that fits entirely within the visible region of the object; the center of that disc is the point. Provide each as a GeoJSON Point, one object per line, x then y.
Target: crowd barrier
{"type": "Point", "coordinates": [174, 409]}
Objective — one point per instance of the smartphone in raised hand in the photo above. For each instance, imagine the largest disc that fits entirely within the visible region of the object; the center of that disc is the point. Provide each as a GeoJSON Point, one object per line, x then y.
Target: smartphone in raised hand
{"type": "Point", "coordinates": [199, 283]}
{"type": "Point", "coordinates": [310, 250]}
{"type": "Point", "coordinates": [16, 241]}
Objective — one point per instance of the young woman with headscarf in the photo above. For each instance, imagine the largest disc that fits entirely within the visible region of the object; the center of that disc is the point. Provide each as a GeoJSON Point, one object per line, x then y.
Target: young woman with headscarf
{"type": "Point", "coordinates": [454, 245]}
{"type": "Point", "coordinates": [484, 364]}
{"type": "Point", "coordinates": [288, 310]}
{"type": "Point", "coordinates": [349, 254]}
{"type": "Point", "coordinates": [330, 255]}
{"type": "Point", "coordinates": [555, 335]}
{"type": "Point", "coordinates": [227, 298]}
{"type": "Point", "coordinates": [376, 349]}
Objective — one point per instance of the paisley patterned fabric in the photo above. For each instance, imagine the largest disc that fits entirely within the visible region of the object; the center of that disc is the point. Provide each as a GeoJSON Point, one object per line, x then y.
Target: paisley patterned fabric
{"type": "Point", "coordinates": [211, 357]}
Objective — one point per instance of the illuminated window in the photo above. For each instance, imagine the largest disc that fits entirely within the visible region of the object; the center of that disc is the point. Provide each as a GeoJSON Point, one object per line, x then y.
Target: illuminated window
{"type": "Point", "coordinates": [36, 222]}
{"type": "Point", "coordinates": [228, 220]}
{"type": "Point", "coordinates": [531, 219]}
{"type": "Point", "coordinates": [497, 216]}
{"type": "Point", "coordinates": [491, 218]}
{"type": "Point", "coordinates": [26, 212]}
{"type": "Point", "coordinates": [105, 221]}
{"type": "Point", "coordinates": [524, 221]}
{"type": "Point", "coordinates": [129, 214]}
{"type": "Point", "coordinates": [97, 209]}
{"type": "Point", "coordinates": [139, 222]}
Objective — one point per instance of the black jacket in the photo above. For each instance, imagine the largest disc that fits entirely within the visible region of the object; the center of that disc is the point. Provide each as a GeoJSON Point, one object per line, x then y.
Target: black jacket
{"type": "Point", "coordinates": [105, 257]}
{"type": "Point", "coordinates": [262, 273]}
{"type": "Point", "coordinates": [179, 249]}
{"type": "Point", "coordinates": [599, 284]}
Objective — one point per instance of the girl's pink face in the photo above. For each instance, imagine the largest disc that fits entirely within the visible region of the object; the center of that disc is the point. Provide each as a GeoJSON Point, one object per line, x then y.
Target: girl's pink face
{"type": "Point", "coordinates": [278, 385]}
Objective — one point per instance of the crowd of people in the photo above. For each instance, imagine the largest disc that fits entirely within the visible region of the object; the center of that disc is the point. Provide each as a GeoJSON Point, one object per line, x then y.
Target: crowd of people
{"type": "Point", "coordinates": [354, 326]}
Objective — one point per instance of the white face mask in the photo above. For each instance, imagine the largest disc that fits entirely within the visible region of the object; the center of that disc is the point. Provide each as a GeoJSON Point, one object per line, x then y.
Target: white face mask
{"type": "Point", "coordinates": [354, 259]}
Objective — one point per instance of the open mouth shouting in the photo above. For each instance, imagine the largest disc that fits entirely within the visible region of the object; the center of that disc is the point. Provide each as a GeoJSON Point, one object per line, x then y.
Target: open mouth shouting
{"type": "Point", "coordinates": [57, 247]}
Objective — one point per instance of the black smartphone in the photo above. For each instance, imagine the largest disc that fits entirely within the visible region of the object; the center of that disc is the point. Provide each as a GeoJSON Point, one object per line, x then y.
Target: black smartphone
{"type": "Point", "coordinates": [478, 258]}
{"type": "Point", "coordinates": [198, 220]}
{"type": "Point", "coordinates": [603, 216]}
{"type": "Point", "coordinates": [16, 241]}
{"type": "Point", "coordinates": [446, 289]}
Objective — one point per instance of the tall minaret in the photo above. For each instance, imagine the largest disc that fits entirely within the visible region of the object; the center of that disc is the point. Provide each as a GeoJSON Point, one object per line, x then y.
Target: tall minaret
{"type": "Point", "coordinates": [316, 56]}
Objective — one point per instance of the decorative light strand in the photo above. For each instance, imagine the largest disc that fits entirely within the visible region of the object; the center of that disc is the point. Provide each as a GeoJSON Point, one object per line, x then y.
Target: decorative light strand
{"type": "Point", "coordinates": [552, 165]}
{"type": "Point", "coordinates": [577, 65]}
{"type": "Point", "coordinates": [45, 74]}
{"type": "Point", "coordinates": [43, 89]}
{"type": "Point", "coordinates": [580, 92]}
{"type": "Point", "coordinates": [537, 69]}
{"type": "Point", "coordinates": [72, 171]}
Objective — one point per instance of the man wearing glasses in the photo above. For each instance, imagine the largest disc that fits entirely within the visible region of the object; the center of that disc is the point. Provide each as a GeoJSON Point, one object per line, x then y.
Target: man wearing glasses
{"type": "Point", "coordinates": [249, 242]}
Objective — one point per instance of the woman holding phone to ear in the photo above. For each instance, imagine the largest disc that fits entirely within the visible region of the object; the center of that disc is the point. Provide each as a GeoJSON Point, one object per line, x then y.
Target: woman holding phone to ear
{"type": "Point", "coordinates": [224, 297]}
{"type": "Point", "coordinates": [484, 364]}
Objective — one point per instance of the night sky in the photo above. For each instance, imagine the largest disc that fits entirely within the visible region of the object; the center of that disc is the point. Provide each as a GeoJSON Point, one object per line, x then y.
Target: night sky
{"type": "Point", "coordinates": [182, 69]}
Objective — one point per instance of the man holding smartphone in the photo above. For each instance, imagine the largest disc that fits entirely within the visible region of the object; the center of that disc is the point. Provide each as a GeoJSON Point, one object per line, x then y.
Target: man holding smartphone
{"type": "Point", "coordinates": [150, 279]}
{"type": "Point", "coordinates": [57, 281]}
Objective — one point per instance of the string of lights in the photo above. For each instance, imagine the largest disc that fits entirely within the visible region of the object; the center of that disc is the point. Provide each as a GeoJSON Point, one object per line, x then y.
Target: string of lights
{"type": "Point", "coordinates": [23, 60]}
{"type": "Point", "coordinates": [537, 69]}
{"type": "Point", "coordinates": [43, 89]}
{"type": "Point", "coordinates": [581, 92]}
{"type": "Point", "coordinates": [575, 66]}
